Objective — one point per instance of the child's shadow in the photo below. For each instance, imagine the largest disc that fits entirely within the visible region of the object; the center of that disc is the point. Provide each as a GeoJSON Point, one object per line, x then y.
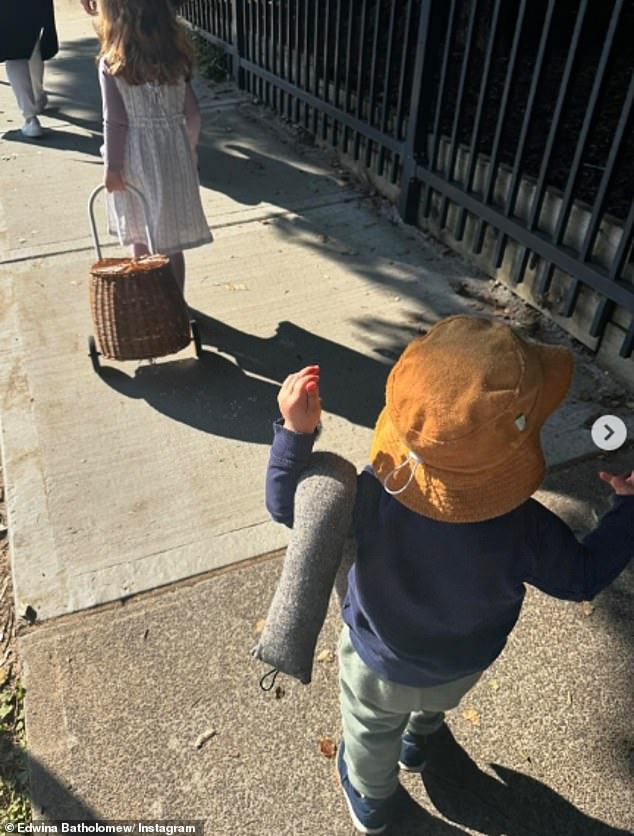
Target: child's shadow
{"type": "Point", "coordinates": [514, 805]}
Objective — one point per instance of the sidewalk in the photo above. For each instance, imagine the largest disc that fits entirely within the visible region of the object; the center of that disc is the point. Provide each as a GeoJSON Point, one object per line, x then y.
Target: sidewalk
{"type": "Point", "coordinates": [148, 482]}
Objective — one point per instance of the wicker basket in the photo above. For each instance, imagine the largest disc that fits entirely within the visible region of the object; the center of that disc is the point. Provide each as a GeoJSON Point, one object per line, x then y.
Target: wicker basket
{"type": "Point", "coordinates": [138, 310]}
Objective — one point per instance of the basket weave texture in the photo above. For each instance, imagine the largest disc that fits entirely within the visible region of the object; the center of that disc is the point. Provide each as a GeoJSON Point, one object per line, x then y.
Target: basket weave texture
{"type": "Point", "coordinates": [138, 310]}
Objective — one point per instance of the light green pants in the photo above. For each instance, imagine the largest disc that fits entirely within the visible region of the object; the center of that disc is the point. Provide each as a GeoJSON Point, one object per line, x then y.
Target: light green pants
{"type": "Point", "coordinates": [375, 713]}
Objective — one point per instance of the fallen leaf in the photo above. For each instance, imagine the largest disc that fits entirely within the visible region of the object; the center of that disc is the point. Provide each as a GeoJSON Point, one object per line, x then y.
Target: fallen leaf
{"type": "Point", "coordinates": [260, 625]}
{"type": "Point", "coordinates": [279, 692]}
{"type": "Point", "coordinates": [325, 656]}
{"type": "Point", "coordinates": [327, 747]}
{"type": "Point", "coordinates": [587, 608]}
{"type": "Point", "coordinates": [472, 716]}
{"type": "Point", "coordinates": [204, 737]}
{"type": "Point", "coordinates": [494, 684]}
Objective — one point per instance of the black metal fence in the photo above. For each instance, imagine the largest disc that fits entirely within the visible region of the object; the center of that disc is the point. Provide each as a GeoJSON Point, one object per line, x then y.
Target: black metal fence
{"type": "Point", "coordinates": [504, 123]}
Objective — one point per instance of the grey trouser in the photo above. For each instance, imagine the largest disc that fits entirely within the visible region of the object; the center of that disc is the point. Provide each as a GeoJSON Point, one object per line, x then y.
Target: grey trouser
{"type": "Point", "coordinates": [26, 77]}
{"type": "Point", "coordinates": [375, 713]}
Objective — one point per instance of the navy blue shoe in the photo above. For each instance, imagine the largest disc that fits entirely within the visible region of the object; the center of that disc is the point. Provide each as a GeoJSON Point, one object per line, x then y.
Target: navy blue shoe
{"type": "Point", "coordinates": [369, 815]}
{"type": "Point", "coordinates": [413, 752]}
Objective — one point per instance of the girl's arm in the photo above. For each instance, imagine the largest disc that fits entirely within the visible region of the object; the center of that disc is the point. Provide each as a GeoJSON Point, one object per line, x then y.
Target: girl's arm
{"type": "Point", "coordinates": [192, 117]}
{"type": "Point", "coordinates": [115, 129]}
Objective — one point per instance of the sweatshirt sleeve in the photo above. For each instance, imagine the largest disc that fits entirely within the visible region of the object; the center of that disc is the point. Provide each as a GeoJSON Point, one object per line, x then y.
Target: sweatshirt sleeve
{"type": "Point", "coordinates": [577, 571]}
{"type": "Point", "coordinates": [115, 120]}
{"type": "Point", "coordinates": [289, 457]}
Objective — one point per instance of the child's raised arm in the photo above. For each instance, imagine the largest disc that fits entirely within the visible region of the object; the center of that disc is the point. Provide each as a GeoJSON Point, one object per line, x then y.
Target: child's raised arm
{"type": "Point", "coordinates": [293, 442]}
{"type": "Point", "coordinates": [299, 400]}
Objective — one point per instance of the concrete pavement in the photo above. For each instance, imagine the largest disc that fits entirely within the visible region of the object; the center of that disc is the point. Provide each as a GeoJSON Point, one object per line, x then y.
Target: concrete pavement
{"type": "Point", "coordinates": [150, 478]}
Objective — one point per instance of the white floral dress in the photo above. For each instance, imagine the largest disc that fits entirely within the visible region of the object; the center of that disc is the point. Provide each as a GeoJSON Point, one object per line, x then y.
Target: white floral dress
{"type": "Point", "coordinates": [148, 136]}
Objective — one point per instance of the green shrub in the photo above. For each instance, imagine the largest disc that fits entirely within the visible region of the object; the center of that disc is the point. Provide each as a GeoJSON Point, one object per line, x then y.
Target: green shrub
{"type": "Point", "coordinates": [14, 777]}
{"type": "Point", "coordinates": [213, 64]}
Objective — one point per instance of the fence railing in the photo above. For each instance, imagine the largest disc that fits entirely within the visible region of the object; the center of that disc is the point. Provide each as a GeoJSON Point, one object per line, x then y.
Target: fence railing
{"type": "Point", "coordinates": [504, 123]}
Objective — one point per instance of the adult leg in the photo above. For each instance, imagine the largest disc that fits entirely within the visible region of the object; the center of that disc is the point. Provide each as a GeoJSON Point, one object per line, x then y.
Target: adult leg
{"type": "Point", "coordinates": [27, 82]}
{"type": "Point", "coordinates": [36, 70]}
{"type": "Point", "coordinates": [19, 76]}
{"type": "Point", "coordinates": [139, 249]}
{"type": "Point", "coordinates": [26, 79]}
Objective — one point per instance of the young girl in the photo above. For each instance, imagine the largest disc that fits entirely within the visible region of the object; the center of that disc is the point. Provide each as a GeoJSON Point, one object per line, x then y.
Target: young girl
{"type": "Point", "coordinates": [151, 124]}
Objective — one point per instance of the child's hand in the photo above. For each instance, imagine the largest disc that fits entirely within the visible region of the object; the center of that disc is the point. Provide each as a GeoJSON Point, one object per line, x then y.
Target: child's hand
{"type": "Point", "coordinates": [299, 400]}
{"type": "Point", "coordinates": [113, 181]}
{"type": "Point", "coordinates": [621, 485]}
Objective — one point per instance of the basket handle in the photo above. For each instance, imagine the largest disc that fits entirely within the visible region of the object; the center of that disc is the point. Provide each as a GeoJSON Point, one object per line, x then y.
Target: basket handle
{"type": "Point", "coordinates": [93, 226]}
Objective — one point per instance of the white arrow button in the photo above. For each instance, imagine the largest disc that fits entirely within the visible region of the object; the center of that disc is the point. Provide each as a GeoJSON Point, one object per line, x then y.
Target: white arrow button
{"type": "Point", "coordinates": [609, 432]}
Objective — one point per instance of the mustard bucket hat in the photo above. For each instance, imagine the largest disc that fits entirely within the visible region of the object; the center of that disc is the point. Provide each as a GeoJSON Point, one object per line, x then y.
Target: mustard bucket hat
{"type": "Point", "coordinates": [458, 439]}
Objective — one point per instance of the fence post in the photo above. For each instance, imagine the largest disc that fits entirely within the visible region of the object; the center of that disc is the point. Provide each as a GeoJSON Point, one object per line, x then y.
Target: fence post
{"type": "Point", "coordinates": [416, 139]}
{"type": "Point", "coordinates": [237, 38]}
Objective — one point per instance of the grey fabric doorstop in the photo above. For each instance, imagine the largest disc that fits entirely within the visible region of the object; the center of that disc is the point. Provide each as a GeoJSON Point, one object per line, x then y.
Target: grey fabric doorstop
{"type": "Point", "coordinates": [322, 526]}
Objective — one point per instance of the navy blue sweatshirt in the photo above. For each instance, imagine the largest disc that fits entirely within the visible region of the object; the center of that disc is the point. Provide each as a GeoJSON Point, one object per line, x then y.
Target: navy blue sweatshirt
{"type": "Point", "coordinates": [429, 602]}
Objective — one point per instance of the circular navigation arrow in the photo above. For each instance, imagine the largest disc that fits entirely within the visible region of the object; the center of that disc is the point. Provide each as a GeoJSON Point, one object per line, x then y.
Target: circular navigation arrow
{"type": "Point", "coordinates": [609, 432]}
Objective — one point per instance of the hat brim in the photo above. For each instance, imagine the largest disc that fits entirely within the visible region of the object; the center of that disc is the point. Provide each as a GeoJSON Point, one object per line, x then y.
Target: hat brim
{"type": "Point", "coordinates": [461, 497]}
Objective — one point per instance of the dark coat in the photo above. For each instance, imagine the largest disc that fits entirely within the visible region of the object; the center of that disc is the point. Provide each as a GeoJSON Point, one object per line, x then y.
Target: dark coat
{"type": "Point", "coordinates": [21, 21]}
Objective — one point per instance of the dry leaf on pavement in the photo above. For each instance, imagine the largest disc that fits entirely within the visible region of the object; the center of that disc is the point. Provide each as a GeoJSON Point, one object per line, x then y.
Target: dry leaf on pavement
{"type": "Point", "coordinates": [327, 747]}
{"type": "Point", "coordinates": [472, 716]}
{"type": "Point", "coordinates": [325, 656]}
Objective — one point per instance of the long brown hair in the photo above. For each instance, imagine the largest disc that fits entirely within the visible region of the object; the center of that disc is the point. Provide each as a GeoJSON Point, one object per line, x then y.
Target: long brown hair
{"type": "Point", "coordinates": [141, 41]}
